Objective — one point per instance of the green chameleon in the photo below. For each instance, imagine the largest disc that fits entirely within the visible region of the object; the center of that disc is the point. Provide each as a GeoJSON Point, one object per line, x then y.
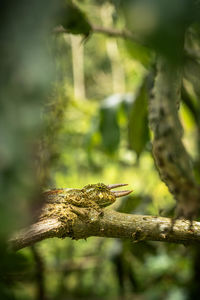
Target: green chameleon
{"type": "Point", "coordinates": [59, 203]}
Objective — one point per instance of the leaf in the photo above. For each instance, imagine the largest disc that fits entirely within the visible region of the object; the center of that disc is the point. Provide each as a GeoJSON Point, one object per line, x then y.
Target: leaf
{"type": "Point", "coordinates": [109, 126]}
{"type": "Point", "coordinates": [106, 126]}
{"type": "Point", "coordinates": [192, 74]}
{"type": "Point", "coordinates": [91, 140]}
{"type": "Point", "coordinates": [138, 132]}
{"type": "Point", "coordinates": [139, 52]}
{"type": "Point", "coordinates": [159, 24]}
{"type": "Point", "coordinates": [109, 129]}
{"type": "Point", "coordinates": [74, 20]}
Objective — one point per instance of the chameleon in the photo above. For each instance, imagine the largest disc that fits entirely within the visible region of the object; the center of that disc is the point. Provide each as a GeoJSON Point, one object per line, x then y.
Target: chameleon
{"type": "Point", "coordinates": [59, 203]}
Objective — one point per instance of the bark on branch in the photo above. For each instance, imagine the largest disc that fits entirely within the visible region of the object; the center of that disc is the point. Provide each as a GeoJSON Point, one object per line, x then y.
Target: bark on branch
{"type": "Point", "coordinates": [113, 225]}
{"type": "Point", "coordinates": [171, 157]}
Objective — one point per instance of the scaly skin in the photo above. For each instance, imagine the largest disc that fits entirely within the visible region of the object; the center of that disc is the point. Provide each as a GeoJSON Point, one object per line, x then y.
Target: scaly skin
{"type": "Point", "coordinates": [59, 203]}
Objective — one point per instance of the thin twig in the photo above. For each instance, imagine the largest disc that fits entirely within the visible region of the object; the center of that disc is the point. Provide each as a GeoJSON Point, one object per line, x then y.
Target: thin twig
{"type": "Point", "coordinates": [111, 32]}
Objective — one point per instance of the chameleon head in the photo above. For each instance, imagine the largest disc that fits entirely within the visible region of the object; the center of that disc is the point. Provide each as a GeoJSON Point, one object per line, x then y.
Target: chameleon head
{"type": "Point", "coordinates": [102, 194]}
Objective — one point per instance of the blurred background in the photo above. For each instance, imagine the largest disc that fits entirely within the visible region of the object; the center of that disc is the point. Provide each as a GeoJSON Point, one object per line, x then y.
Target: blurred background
{"type": "Point", "coordinates": [74, 111]}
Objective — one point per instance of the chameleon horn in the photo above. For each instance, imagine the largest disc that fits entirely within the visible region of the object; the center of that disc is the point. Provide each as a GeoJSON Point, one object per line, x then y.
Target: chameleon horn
{"type": "Point", "coordinates": [121, 193]}
{"type": "Point", "coordinates": [116, 185]}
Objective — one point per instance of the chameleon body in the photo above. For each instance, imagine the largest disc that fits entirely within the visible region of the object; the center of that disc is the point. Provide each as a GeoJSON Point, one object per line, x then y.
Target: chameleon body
{"type": "Point", "coordinates": [59, 203]}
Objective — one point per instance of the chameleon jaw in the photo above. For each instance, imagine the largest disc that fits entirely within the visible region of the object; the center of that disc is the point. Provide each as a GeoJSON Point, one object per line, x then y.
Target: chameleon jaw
{"type": "Point", "coordinates": [119, 193]}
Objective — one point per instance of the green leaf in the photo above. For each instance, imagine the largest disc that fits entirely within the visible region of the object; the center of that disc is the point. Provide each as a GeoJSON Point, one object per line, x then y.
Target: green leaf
{"type": "Point", "coordinates": [159, 24]}
{"type": "Point", "coordinates": [74, 20]}
{"type": "Point", "coordinates": [138, 132]}
{"type": "Point", "coordinates": [192, 74]}
{"type": "Point", "coordinates": [109, 126]}
{"type": "Point", "coordinates": [140, 53]}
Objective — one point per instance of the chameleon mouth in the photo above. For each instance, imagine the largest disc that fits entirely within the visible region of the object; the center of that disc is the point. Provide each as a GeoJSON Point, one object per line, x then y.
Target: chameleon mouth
{"type": "Point", "coordinates": [119, 193]}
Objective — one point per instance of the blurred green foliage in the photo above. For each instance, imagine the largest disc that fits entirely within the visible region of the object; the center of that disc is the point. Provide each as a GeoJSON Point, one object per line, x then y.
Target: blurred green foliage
{"type": "Point", "coordinates": [73, 19]}
{"type": "Point", "coordinates": [51, 139]}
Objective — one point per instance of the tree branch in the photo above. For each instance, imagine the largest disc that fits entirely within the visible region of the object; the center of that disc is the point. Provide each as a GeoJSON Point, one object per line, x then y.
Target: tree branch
{"type": "Point", "coordinates": [171, 157]}
{"type": "Point", "coordinates": [113, 225]}
{"type": "Point", "coordinates": [111, 32]}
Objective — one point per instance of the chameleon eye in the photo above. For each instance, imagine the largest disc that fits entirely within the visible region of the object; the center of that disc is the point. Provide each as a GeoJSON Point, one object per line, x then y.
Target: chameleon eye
{"type": "Point", "coordinates": [101, 186]}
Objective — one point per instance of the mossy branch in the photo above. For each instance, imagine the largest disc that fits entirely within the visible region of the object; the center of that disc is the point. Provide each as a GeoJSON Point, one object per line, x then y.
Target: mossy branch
{"type": "Point", "coordinates": [172, 160]}
{"type": "Point", "coordinates": [111, 224]}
